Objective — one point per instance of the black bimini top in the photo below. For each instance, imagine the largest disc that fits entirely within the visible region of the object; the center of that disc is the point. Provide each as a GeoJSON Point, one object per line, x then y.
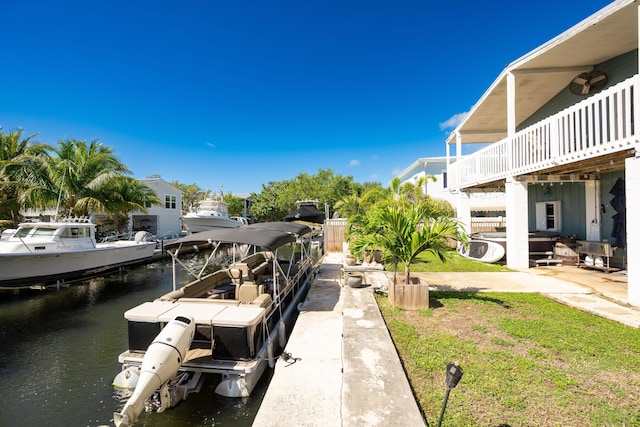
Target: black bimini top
{"type": "Point", "coordinates": [307, 213]}
{"type": "Point", "coordinates": [288, 227]}
{"type": "Point", "coordinates": [270, 239]}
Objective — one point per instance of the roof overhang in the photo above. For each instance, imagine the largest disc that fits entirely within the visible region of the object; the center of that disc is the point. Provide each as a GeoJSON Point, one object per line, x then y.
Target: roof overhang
{"type": "Point", "coordinates": [545, 71]}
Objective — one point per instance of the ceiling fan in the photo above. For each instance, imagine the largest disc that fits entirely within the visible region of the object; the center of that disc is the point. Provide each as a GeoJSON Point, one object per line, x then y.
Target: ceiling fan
{"type": "Point", "coordinates": [588, 83]}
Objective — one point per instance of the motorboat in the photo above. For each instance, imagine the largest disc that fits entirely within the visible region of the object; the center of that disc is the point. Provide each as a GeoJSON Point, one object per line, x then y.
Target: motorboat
{"type": "Point", "coordinates": [211, 213]}
{"type": "Point", "coordinates": [55, 251]}
{"type": "Point", "coordinates": [230, 324]}
{"type": "Point", "coordinates": [307, 213]}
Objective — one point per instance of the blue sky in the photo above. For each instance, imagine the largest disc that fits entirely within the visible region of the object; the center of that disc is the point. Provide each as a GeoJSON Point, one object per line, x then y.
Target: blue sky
{"type": "Point", "coordinates": [241, 93]}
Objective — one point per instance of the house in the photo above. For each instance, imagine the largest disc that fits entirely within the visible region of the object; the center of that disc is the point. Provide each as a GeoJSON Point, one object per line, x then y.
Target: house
{"type": "Point", "coordinates": [486, 209]}
{"type": "Point", "coordinates": [560, 128]}
{"type": "Point", "coordinates": [164, 219]}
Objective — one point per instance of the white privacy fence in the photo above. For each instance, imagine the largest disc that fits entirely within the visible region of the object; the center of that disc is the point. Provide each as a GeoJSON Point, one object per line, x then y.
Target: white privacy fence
{"type": "Point", "coordinates": [598, 125]}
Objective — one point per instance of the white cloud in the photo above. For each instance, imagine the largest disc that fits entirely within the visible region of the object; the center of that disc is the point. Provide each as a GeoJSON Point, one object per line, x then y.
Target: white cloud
{"type": "Point", "coordinates": [354, 162]}
{"type": "Point", "coordinates": [375, 157]}
{"type": "Point", "coordinates": [453, 121]}
{"type": "Point", "coordinates": [210, 144]}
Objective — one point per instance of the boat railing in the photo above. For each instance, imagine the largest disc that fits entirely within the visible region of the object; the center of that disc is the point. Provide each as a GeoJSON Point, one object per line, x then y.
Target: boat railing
{"type": "Point", "coordinates": [77, 219]}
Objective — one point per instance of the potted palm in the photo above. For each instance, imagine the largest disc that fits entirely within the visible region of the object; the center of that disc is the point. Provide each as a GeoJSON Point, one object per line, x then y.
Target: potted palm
{"type": "Point", "coordinates": [402, 231]}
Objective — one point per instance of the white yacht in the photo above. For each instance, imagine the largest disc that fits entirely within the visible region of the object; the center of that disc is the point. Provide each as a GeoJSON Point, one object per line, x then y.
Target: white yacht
{"type": "Point", "coordinates": [45, 252]}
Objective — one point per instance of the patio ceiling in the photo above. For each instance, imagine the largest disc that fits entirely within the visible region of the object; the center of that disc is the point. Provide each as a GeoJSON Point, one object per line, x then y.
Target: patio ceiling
{"type": "Point", "coordinates": [545, 71]}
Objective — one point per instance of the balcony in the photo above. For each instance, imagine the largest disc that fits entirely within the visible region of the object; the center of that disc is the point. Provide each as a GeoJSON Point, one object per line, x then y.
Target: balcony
{"type": "Point", "coordinates": [593, 131]}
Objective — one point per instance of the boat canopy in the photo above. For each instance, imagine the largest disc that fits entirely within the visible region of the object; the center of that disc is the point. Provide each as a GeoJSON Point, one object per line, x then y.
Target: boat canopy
{"type": "Point", "coordinates": [307, 213]}
{"type": "Point", "coordinates": [288, 227]}
{"type": "Point", "coordinates": [269, 238]}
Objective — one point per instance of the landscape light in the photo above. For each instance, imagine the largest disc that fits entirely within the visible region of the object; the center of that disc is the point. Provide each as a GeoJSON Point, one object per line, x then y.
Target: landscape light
{"type": "Point", "coordinates": [454, 373]}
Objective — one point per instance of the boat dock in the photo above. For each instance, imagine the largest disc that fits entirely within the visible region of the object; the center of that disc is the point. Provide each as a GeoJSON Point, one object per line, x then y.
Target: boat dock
{"type": "Point", "coordinates": [342, 368]}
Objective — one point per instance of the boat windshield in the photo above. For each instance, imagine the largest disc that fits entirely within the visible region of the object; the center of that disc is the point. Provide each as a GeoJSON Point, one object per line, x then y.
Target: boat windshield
{"type": "Point", "coordinates": [23, 231]}
{"type": "Point", "coordinates": [75, 232]}
{"type": "Point", "coordinates": [44, 231]}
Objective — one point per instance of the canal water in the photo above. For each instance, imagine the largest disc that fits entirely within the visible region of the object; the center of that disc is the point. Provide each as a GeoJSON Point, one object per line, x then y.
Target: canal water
{"type": "Point", "coordinates": [59, 354]}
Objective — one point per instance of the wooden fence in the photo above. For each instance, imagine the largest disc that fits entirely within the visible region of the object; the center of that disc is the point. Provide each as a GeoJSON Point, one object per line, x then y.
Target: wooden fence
{"type": "Point", "coordinates": [334, 230]}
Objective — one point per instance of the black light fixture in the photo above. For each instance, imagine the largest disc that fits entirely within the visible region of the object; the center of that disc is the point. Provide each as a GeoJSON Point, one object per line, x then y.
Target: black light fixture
{"type": "Point", "coordinates": [454, 373]}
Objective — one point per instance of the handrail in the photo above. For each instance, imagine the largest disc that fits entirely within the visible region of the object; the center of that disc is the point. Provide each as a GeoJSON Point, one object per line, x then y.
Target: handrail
{"type": "Point", "coordinates": [600, 124]}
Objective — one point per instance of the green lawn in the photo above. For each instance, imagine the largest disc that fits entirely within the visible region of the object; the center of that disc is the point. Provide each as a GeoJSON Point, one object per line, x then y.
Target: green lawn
{"type": "Point", "coordinates": [429, 262]}
{"type": "Point", "coordinates": [527, 361]}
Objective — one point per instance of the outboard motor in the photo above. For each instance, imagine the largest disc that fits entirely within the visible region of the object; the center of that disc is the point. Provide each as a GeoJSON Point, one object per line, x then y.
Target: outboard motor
{"type": "Point", "coordinates": [160, 364]}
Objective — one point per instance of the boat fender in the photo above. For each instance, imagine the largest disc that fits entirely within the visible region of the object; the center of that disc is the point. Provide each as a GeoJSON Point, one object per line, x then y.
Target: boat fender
{"type": "Point", "coordinates": [282, 334]}
{"type": "Point", "coordinates": [272, 361]}
{"type": "Point", "coordinates": [127, 378]}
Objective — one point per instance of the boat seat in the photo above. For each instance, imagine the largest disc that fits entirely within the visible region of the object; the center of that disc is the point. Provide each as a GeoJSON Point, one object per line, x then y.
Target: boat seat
{"type": "Point", "coordinates": [240, 272]}
{"type": "Point", "coordinates": [248, 291]}
{"type": "Point", "coordinates": [263, 300]}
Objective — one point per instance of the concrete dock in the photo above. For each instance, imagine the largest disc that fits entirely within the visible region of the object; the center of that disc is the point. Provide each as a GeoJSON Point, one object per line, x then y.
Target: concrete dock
{"type": "Point", "coordinates": [345, 370]}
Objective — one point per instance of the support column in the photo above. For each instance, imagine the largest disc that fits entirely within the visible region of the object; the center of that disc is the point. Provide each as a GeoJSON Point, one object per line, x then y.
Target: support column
{"type": "Point", "coordinates": [463, 210]}
{"type": "Point", "coordinates": [511, 116]}
{"type": "Point", "coordinates": [516, 198]}
{"type": "Point", "coordinates": [632, 195]}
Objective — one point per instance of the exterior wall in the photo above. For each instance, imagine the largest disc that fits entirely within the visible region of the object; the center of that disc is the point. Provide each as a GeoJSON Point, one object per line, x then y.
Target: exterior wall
{"type": "Point", "coordinates": [168, 220]}
{"type": "Point", "coordinates": [572, 196]}
{"type": "Point", "coordinates": [619, 258]}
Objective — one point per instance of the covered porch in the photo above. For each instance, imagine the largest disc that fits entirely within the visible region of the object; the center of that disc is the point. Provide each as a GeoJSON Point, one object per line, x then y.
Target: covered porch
{"type": "Point", "coordinates": [559, 150]}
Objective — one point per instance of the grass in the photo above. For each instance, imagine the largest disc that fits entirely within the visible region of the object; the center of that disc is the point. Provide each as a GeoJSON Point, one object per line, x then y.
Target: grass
{"type": "Point", "coordinates": [427, 261]}
{"type": "Point", "coordinates": [527, 360]}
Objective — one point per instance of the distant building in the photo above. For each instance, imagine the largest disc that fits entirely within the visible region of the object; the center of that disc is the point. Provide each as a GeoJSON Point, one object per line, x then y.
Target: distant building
{"type": "Point", "coordinates": [487, 210]}
{"type": "Point", "coordinates": [164, 219]}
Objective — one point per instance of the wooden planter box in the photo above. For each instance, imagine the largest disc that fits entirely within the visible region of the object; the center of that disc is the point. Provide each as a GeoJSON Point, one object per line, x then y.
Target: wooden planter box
{"type": "Point", "coordinates": [414, 296]}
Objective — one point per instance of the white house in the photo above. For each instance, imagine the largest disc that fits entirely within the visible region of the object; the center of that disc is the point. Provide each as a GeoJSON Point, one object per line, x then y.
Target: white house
{"type": "Point", "coordinates": [164, 219]}
{"type": "Point", "coordinates": [561, 124]}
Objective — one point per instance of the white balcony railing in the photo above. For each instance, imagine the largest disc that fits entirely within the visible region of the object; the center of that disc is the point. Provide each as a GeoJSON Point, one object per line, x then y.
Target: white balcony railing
{"type": "Point", "coordinates": [598, 125]}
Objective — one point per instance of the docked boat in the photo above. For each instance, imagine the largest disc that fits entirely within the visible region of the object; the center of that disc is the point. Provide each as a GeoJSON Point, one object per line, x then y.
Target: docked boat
{"type": "Point", "coordinates": [307, 213]}
{"type": "Point", "coordinates": [46, 252]}
{"type": "Point", "coordinates": [211, 213]}
{"type": "Point", "coordinates": [232, 323]}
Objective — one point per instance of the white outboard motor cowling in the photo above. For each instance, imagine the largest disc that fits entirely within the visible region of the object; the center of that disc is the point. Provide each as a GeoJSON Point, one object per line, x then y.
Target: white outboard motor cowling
{"type": "Point", "coordinates": [160, 363]}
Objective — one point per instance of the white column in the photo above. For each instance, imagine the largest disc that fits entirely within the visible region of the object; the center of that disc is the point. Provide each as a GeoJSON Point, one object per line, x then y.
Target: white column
{"type": "Point", "coordinates": [458, 159]}
{"type": "Point", "coordinates": [511, 116]}
{"type": "Point", "coordinates": [592, 207]}
{"type": "Point", "coordinates": [632, 195]}
{"type": "Point", "coordinates": [463, 210]}
{"type": "Point", "coordinates": [516, 198]}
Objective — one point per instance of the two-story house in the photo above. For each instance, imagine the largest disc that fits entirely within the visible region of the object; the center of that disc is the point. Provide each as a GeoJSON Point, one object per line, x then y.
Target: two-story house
{"type": "Point", "coordinates": [561, 128]}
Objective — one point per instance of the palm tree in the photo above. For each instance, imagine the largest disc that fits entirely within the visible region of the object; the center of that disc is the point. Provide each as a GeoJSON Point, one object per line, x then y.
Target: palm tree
{"type": "Point", "coordinates": [123, 196]}
{"type": "Point", "coordinates": [18, 159]}
{"type": "Point", "coordinates": [76, 178]}
{"type": "Point", "coordinates": [402, 231]}
{"type": "Point", "coordinates": [81, 178]}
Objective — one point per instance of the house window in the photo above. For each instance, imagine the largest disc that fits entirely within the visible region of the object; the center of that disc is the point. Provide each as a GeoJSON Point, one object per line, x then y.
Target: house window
{"type": "Point", "coordinates": [147, 204]}
{"type": "Point", "coordinates": [444, 179]}
{"type": "Point", "coordinates": [548, 216]}
{"type": "Point", "coordinates": [170, 202]}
